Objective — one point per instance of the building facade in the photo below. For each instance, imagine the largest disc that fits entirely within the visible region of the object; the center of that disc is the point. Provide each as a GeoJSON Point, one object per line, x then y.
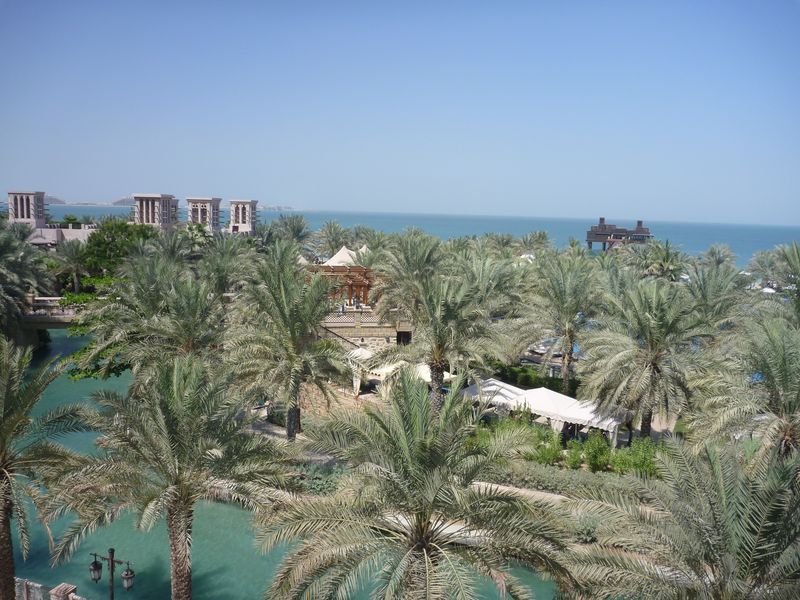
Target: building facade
{"type": "Point", "coordinates": [27, 208]}
{"type": "Point", "coordinates": [158, 210]}
{"type": "Point", "coordinates": [204, 211]}
{"type": "Point", "coordinates": [243, 216]}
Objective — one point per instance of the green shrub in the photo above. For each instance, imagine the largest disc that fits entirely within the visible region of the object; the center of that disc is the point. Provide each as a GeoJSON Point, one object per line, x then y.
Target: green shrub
{"type": "Point", "coordinates": [643, 453]}
{"type": "Point", "coordinates": [586, 530]}
{"type": "Point", "coordinates": [72, 299]}
{"type": "Point", "coordinates": [534, 476]}
{"type": "Point", "coordinates": [597, 452]}
{"type": "Point", "coordinates": [621, 461]}
{"type": "Point", "coordinates": [549, 452]}
{"type": "Point", "coordinates": [574, 458]}
{"type": "Point", "coordinates": [318, 479]}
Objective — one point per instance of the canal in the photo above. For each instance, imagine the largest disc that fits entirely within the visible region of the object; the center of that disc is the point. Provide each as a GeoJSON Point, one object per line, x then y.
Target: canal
{"type": "Point", "coordinates": [226, 563]}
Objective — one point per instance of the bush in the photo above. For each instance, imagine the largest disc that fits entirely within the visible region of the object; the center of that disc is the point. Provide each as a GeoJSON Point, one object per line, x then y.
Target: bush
{"type": "Point", "coordinates": [574, 458]}
{"type": "Point", "coordinates": [549, 453]}
{"type": "Point", "coordinates": [560, 481]}
{"type": "Point", "coordinates": [621, 461]}
{"type": "Point", "coordinates": [597, 452]}
{"type": "Point", "coordinates": [318, 479]}
{"type": "Point", "coordinates": [643, 453]}
{"type": "Point", "coordinates": [586, 530]}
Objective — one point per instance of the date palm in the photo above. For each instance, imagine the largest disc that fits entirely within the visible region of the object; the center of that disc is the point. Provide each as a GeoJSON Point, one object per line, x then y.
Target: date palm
{"type": "Point", "coordinates": [157, 309]}
{"type": "Point", "coordinates": [72, 262]}
{"type": "Point", "coordinates": [716, 292]}
{"type": "Point", "coordinates": [331, 237]}
{"type": "Point", "coordinates": [758, 394]}
{"type": "Point", "coordinates": [644, 353]}
{"type": "Point", "coordinates": [565, 294]}
{"type": "Point", "coordinates": [708, 528]}
{"type": "Point", "coordinates": [225, 263]}
{"type": "Point", "coordinates": [789, 266]}
{"type": "Point", "coordinates": [178, 438]}
{"type": "Point", "coordinates": [293, 228]}
{"type": "Point", "coordinates": [27, 446]}
{"type": "Point", "coordinates": [276, 347]}
{"type": "Point", "coordinates": [22, 272]}
{"type": "Point", "coordinates": [410, 522]}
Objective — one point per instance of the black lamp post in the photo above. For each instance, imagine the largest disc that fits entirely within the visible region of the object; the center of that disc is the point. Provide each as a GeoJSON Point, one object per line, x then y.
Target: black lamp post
{"type": "Point", "coordinates": [96, 572]}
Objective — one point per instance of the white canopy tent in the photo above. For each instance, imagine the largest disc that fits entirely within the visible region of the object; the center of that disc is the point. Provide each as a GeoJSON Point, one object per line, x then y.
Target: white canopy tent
{"type": "Point", "coordinates": [560, 409]}
{"type": "Point", "coordinates": [498, 393]}
{"type": "Point", "coordinates": [343, 258]}
{"type": "Point", "coordinates": [556, 409]}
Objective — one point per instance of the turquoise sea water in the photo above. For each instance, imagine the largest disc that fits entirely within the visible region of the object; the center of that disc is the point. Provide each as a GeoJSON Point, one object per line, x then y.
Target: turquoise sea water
{"type": "Point", "coordinates": [693, 238]}
{"type": "Point", "coordinates": [226, 564]}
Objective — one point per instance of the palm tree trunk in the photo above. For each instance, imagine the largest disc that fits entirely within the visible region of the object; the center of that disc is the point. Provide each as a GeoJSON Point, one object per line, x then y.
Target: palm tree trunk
{"type": "Point", "coordinates": [179, 532]}
{"type": "Point", "coordinates": [76, 283]}
{"type": "Point", "coordinates": [437, 383]}
{"type": "Point", "coordinates": [647, 422]}
{"type": "Point", "coordinates": [566, 363]}
{"type": "Point", "coordinates": [292, 422]}
{"type": "Point", "coordinates": [6, 551]}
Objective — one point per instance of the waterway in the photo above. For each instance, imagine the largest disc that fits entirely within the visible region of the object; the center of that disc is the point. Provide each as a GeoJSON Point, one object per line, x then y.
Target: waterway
{"type": "Point", "coordinates": [226, 563]}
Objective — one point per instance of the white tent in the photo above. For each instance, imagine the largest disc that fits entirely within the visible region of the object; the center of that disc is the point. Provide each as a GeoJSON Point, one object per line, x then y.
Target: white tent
{"type": "Point", "coordinates": [498, 393]}
{"type": "Point", "coordinates": [562, 409]}
{"type": "Point", "coordinates": [343, 258]}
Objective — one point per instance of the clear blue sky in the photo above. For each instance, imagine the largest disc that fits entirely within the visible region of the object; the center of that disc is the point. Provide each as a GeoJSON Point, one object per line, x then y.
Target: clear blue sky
{"type": "Point", "coordinates": [679, 110]}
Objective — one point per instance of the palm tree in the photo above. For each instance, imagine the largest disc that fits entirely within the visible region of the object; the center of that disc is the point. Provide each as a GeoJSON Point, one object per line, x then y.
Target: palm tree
{"type": "Point", "coordinates": [157, 309]}
{"type": "Point", "coordinates": [765, 266]}
{"type": "Point", "coordinates": [535, 242]}
{"type": "Point", "coordinates": [27, 446]}
{"type": "Point", "coordinates": [22, 272]}
{"type": "Point", "coordinates": [644, 352]}
{"type": "Point", "coordinates": [718, 255]}
{"type": "Point", "coordinates": [709, 528]}
{"type": "Point", "coordinates": [179, 438]}
{"type": "Point", "coordinates": [716, 292]}
{"type": "Point", "coordinates": [411, 520]}
{"type": "Point", "coordinates": [225, 263]}
{"type": "Point", "coordinates": [758, 394]}
{"type": "Point", "coordinates": [565, 295]}
{"type": "Point", "coordinates": [331, 237]}
{"type": "Point", "coordinates": [293, 228]}
{"type": "Point", "coordinates": [277, 348]}
{"type": "Point", "coordinates": [789, 266]}
{"type": "Point", "coordinates": [72, 262]}
{"type": "Point", "coordinates": [408, 264]}
{"type": "Point", "coordinates": [451, 332]}
{"type": "Point", "coordinates": [657, 259]}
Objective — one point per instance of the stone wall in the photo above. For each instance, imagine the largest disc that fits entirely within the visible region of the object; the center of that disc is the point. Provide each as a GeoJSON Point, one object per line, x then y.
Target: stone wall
{"type": "Point", "coordinates": [363, 329]}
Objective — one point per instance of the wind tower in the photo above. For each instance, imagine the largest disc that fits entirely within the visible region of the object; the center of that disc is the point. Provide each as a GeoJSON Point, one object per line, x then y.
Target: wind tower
{"type": "Point", "coordinates": [243, 216]}
{"type": "Point", "coordinates": [204, 211]}
{"type": "Point", "coordinates": [158, 210]}
{"type": "Point", "coordinates": [27, 207]}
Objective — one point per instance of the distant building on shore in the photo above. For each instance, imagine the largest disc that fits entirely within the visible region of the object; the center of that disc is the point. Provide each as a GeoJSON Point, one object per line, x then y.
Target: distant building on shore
{"type": "Point", "coordinates": [610, 235]}
{"type": "Point", "coordinates": [28, 208]}
{"type": "Point", "coordinates": [158, 210]}
{"type": "Point", "coordinates": [204, 211]}
{"type": "Point", "coordinates": [243, 216]}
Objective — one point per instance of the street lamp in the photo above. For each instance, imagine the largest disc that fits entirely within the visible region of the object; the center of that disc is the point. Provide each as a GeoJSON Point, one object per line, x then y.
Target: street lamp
{"type": "Point", "coordinates": [96, 572]}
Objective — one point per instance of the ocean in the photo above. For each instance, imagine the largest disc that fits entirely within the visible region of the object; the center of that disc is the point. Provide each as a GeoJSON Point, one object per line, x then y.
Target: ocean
{"type": "Point", "coordinates": [693, 238]}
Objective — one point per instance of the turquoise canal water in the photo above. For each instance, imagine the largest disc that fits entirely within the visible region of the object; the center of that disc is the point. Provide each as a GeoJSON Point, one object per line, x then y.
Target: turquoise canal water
{"type": "Point", "coordinates": [226, 564]}
{"type": "Point", "coordinates": [744, 240]}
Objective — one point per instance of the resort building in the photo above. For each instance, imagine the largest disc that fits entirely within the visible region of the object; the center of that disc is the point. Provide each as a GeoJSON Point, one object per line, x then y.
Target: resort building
{"type": "Point", "coordinates": [28, 208]}
{"type": "Point", "coordinates": [158, 210]}
{"type": "Point", "coordinates": [243, 216]}
{"type": "Point", "coordinates": [204, 211]}
{"type": "Point", "coordinates": [610, 235]}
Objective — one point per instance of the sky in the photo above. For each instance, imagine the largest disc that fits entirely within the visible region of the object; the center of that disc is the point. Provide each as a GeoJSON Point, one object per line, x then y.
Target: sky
{"type": "Point", "coordinates": [679, 110]}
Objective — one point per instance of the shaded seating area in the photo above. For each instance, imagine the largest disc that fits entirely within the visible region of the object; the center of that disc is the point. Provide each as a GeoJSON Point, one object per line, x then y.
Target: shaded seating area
{"type": "Point", "coordinates": [559, 412]}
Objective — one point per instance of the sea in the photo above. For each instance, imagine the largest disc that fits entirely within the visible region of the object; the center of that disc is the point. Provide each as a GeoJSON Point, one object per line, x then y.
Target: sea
{"type": "Point", "coordinates": [692, 238]}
